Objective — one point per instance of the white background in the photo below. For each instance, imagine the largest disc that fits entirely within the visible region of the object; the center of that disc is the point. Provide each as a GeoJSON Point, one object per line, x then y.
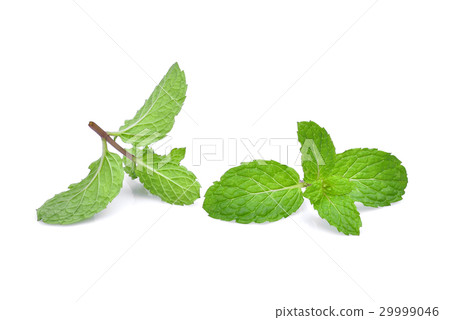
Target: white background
{"type": "Point", "coordinates": [374, 74]}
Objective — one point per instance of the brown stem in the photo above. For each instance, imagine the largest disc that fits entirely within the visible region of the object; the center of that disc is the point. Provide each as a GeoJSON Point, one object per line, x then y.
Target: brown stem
{"type": "Point", "coordinates": [102, 133]}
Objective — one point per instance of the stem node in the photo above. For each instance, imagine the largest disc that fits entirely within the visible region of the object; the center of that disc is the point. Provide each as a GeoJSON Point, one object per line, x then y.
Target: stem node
{"type": "Point", "coordinates": [102, 133]}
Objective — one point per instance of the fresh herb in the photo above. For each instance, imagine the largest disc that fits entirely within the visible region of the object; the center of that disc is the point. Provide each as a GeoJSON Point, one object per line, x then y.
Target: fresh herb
{"type": "Point", "coordinates": [255, 192]}
{"type": "Point", "coordinates": [161, 175]}
{"type": "Point", "coordinates": [262, 191]}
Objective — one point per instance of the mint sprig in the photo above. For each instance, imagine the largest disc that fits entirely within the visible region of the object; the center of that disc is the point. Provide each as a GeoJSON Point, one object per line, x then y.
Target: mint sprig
{"type": "Point", "coordinates": [161, 175]}
{"type": "Point", "coordinates": [262, 191]}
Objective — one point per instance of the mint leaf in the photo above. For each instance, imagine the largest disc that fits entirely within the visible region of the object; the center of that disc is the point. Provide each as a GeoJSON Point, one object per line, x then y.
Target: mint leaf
{"type": "Point", "coordinates": [339, 211]}
{"type": "Point", "coordinates": [89, 196]}
{"type": "Point", "coordinates": [378, 177]}
{"type": "Point", "coordinates": [318, 152]}
{"type": "Point", "coordinates": [156, 118]}
{"type": "Point", "coordinates": [164, 177]}
{"type": "Point", "coordinates": [257, 191]}
{"type": "Point", "coordinates": [330, 198]}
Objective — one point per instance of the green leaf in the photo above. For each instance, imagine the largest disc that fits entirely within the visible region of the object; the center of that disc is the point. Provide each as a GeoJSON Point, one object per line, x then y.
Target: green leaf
{"type": "Point", "coordinates": [257, 191]}
{"type": "Point", "coordinates": [166, 178]}
{"type": "Point", "coordinates": [329, 196]}
{"type": "Point", "coordinates": [318, 152]}
{"type": "Point", "coordinates": [378, 177]}
{"type": "Point", "coordinates": [339, 211]}
{"type": "Point", "coordinates": [156, 118]}
{"type": "Point", "coordinates": [88, 197]}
